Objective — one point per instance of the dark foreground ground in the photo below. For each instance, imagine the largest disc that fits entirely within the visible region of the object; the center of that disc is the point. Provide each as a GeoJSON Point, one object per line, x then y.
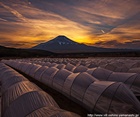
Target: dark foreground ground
{"type": "Point", "coordinates": [6, 52]}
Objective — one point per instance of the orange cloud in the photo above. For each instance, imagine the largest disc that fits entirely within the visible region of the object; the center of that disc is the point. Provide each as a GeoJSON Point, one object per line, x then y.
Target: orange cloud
{"type": "Point", "coordinates": [87, 22]}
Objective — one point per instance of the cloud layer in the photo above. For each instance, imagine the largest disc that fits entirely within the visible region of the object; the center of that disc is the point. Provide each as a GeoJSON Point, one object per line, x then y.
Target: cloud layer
{"type": "Point", "coordinates": [104, 23]}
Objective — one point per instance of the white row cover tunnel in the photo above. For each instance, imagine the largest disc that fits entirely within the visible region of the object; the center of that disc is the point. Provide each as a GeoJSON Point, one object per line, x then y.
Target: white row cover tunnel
{"type": "Point", "coordinates": [131, 80]}
{"type": "Point", "coordinates": [91, 93]}
{"type": "Point", "coordinates": [22, 98]}
{"type": "Point", "coordinates": [113, 64]}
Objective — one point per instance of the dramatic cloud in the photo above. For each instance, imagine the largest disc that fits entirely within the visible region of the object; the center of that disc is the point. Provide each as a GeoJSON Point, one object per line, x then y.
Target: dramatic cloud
{"type": "Point", "coordinates": [113, 44]}
{"type": "Point", "coordinates": [104, 23]}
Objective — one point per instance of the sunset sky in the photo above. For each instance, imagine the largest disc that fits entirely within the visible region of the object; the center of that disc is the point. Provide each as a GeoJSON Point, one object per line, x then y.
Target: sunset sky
{"type": "Point", "coordinates": [102, 23]}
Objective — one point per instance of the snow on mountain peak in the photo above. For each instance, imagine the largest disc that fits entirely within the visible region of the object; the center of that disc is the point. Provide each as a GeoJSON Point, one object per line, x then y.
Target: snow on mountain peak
{"type": "Point", "coordinates": [62, 44]}
{"type": "Point", "coordinates": [62, 40]}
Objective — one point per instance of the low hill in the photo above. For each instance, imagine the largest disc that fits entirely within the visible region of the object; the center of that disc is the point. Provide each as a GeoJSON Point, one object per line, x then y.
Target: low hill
{"type": "Point", "coordinates": [13, 52]}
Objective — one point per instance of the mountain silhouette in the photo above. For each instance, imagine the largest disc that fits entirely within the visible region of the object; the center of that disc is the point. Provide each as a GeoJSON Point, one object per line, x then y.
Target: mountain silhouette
{"type": "Point", "coordinates": [62, 44]}
{"type": "Point", "coordinates": [14, 52]}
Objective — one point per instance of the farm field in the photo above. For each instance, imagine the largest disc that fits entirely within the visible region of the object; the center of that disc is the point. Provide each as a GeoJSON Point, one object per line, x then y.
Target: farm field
{"type": "Point", "coordinates": [69, 58]}
{"type": "Point", "coordinates": [70, 87]}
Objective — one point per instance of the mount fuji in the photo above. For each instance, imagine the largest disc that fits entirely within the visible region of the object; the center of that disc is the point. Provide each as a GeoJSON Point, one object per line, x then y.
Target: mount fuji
{"type": "Point", "coordinates": [62, 44]}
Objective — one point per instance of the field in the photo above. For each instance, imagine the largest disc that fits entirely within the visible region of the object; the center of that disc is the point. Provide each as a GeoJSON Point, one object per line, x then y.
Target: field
{"type": "Point", "coordinates": [70, 87]}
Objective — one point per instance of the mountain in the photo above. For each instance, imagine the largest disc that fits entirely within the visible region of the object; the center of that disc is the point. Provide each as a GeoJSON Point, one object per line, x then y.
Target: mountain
{"type": "Point", "coordinates": [2, 47]}
{"type": "Point", "coordinates": [13, 52]}
{"type": "Point", "coordinates": [62, 44]}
